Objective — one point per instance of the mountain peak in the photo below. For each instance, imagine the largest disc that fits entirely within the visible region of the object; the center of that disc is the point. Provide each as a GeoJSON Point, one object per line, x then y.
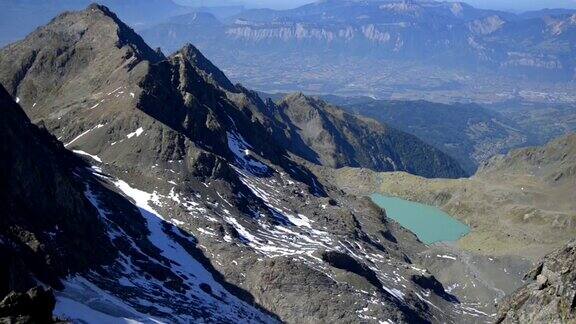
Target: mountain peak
{"type": "Point", "coordinates": [339, 139]}
{"type": "Point", "coordinates": [302, 98]}
{"type": "Point", "coordinates": [190, 51]}
{"type": "Point", "coordinates": [205, 67]}
{"type": "Point", "coordinates": [100, 18]}
{"type": "Point", "coordinates": [92, 42]}
{"type": "Point", "coordinates": [103, 9]}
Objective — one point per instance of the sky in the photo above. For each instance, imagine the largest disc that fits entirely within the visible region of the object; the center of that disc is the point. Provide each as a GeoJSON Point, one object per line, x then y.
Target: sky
{"type": "Point", "coordinates": [511, 5]}
{"type": "Point", "coordinates": [522, 5]}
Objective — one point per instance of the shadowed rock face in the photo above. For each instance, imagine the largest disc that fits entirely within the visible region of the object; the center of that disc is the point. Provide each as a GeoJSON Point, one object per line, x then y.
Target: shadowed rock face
{"type": "Point", "coordinates": [48, 228]}
{"type": "Point", "coordinates": [550, 297]}
{"type": "Point", "coordinates": [34, 306]}
{"type": "Point", "coordinates": [41, 198]}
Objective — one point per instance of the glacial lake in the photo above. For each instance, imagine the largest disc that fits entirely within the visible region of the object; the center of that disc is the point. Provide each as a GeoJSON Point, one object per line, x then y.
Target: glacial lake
{"type": "Point", "coordinates": [429, 223]}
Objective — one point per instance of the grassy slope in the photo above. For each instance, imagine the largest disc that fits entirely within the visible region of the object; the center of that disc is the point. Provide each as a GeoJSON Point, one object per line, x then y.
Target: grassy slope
{"type": "Point", "coordinates": [515, 212]}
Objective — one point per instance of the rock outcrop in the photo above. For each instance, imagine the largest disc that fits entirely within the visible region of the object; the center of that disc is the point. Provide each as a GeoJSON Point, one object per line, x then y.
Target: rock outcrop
{"type": "Point", "coordinates": [34, 306]}
{"type": "Point", "coordinates": [551, 295]}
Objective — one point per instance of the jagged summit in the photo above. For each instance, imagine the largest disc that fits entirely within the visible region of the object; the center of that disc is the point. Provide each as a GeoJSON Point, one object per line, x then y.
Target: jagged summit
{"type": "Point", "coordinates": [205, 67]}
{"type": "Point", "coordinates": [98, 7]}
{"type": "Point", "coordinates": [125, 34]}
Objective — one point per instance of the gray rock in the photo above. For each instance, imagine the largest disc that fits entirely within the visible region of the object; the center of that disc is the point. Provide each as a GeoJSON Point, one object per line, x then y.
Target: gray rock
{"type": "Point", "coordinates": [551, 298]}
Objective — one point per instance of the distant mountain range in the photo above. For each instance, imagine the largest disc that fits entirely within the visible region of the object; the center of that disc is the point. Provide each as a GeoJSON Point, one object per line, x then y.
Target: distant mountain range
{"type": "Point", "coordinates": [438, 51]}
{"type": "Point", "coordinates": [384, 47]}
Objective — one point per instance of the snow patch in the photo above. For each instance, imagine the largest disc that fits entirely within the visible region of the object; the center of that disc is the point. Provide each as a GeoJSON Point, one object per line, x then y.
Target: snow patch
{"type": "Point", "coordinates": [96, 305]}
{"type": "Point", "coordinates": [94, 157]}
{"type": "Point", "coordinates": [136, 133]}
{"type": "Point", "coordinates": [84, 133]}
{"type": "Point", "coordinates": [241, 150]}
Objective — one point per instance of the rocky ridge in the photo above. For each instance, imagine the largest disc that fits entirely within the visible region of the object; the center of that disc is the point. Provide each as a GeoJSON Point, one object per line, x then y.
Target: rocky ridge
{"type": "Point", "coordinates": [550, 297]}
{"type": "Point", "coordinates": [210, 220]}
{"type": "Point", "coordinates": [470, 133]}
{"type": "Point", "coordinates": [337, 139]}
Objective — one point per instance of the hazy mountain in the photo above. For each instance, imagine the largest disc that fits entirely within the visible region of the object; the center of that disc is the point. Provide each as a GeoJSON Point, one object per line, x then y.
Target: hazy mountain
{"type": "Point", "coordinates": [209, 219]}
{"type": "Point", "coordinates": [548, 12]}
{"type": "Point", "coordinates": [470, 133]}
{"type": "Point", "coordinates": [457, 51]}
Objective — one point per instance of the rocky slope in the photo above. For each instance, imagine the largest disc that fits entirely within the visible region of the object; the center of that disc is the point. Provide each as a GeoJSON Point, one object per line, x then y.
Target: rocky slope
{"type": "Point", "coordinates": [549, 298]}
{"type": "Point", "coordinates": [210, 220]}
{"type": "Point", "coordinates": [554, 163]}
{"type": "Point", "coordinates": [528, 193]}
{"type": "Point", "coordinates": [337, 139]}
{"type": "Point", "coordinates": [58, 209]}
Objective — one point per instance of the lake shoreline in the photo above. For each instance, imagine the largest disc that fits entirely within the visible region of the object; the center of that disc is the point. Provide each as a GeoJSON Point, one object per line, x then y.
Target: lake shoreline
{"type": "Point", "coordinates": [430, 224]}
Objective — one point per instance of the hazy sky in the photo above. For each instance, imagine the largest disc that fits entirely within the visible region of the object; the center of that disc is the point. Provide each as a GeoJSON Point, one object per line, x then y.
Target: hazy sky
{"type": "Point", "coordinates": [521, 5]}
{"type": "Point", "coordinates": [515, 5]}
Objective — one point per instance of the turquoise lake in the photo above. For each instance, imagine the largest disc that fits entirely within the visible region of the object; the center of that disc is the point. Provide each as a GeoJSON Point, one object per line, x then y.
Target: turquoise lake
{"type": "Point", "coordinates": [429, 223]}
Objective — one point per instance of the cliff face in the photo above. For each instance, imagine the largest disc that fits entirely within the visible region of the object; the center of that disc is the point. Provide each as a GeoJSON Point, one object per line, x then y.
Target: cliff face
{"type": "Point", "coordinates": [46, 217]}
{"type": "Point", "coordinates": [551, 297]}
{"type": "Point", "coordinates": [48, 228]}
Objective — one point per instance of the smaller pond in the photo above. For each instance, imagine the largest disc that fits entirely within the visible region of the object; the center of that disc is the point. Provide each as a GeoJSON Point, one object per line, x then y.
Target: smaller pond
{"type": "Point", "coordinates": [429, 223]}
